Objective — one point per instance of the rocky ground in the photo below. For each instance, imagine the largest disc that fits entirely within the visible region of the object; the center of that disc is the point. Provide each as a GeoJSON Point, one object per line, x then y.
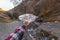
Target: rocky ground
{"type": "Point", "coordinates": [53, 27]}
{"type": "Point", "coordinates": [7, 29]}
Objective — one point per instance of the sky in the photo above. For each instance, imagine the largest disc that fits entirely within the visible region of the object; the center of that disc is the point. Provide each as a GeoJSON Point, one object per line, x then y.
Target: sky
{"type": "Point", "coordinates": [6, 5]}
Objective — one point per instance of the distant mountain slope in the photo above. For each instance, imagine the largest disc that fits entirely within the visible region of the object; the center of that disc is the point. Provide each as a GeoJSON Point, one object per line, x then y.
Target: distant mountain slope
{"type": "Point", "coordinates": [46, 10]}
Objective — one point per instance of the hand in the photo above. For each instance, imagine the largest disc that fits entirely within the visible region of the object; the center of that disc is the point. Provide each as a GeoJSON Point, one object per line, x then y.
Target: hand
{"type": "Point", "coordinates": [26, 23]}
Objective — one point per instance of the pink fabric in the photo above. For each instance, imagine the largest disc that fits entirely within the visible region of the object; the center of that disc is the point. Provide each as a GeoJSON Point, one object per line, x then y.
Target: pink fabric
{"type": "Point", "coordinates": [14, 35]}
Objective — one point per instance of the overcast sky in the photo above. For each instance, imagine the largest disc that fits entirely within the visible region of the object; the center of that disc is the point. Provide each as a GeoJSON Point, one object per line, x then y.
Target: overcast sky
{"type": "Point", "coordinates": [6, 4]}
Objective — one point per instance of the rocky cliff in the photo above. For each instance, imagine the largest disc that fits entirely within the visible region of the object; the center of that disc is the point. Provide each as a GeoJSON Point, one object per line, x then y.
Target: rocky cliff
{"type": "Point", "coordinates": [46, 10]}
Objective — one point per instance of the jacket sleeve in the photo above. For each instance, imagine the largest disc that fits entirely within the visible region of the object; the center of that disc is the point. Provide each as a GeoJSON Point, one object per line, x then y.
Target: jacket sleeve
{"type": "Point", "coordinates": [17, 34]}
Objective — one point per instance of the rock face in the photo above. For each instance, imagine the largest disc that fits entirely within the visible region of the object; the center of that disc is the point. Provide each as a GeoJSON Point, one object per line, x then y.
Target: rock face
{"type": "Point", "coordinates": [46, 10]}
{"type": "Point", "coordinates": [46, 31]}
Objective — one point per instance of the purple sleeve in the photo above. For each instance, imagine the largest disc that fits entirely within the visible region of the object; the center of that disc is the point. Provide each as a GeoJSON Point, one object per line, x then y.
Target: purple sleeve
{"type": "Point", "coordinates": [17, 34]}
